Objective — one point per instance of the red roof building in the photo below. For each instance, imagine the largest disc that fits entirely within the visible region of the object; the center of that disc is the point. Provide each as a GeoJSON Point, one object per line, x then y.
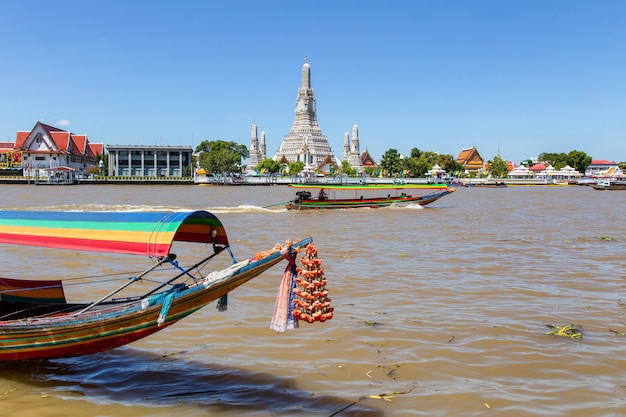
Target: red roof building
{"type": "Point", "coordinates": [47, 147]}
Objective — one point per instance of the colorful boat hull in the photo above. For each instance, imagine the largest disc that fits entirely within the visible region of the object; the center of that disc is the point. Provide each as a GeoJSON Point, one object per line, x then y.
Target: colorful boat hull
{"type": "Point", "coordinates": [116, 324]}
{"type": "Point", "coordinates": [305, 202]}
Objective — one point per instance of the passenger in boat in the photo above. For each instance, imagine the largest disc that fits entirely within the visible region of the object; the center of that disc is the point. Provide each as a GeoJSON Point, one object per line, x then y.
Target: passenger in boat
{"type": "Point", "coordinates": [322, 195]}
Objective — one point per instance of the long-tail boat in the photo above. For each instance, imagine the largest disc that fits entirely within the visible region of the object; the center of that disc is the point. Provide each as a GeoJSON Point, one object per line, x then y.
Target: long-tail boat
{"type": "Point", "coordinates": [331, 196]}
{"type": "Point", "coordinates": [36, 320]}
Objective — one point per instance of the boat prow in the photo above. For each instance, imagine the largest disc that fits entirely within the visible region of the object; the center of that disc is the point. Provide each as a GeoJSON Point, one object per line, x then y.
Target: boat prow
{"type": "Point", "coordinates": [36, 321]}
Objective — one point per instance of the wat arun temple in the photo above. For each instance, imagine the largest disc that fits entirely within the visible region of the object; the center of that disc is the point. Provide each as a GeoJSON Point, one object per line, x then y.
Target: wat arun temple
{"type": "Point", "coordinates": [305, 141]}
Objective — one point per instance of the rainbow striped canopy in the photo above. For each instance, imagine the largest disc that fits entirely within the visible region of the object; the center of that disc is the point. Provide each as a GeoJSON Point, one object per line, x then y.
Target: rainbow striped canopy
{"type": "Point", "coordinates": [137, 233]}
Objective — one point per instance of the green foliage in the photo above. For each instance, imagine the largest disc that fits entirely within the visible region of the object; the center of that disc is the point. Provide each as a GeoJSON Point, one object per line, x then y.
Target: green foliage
{"type": "Point", "coordinates": [390, 162]}
{"type": "Point", "coordinates": [347, 169]}
{"type": "Point", "coordinates": [371, 170]}
{"type": "Point", "coordinates": [498, 167]}
{"type": "Point", "coordinates": [296, 167]}
{"type": "Point", "coordinates": [579, 160]}
{"type": "Point", "coordinates": [449, 164]}
{"type": "Point", "coordinates": [219, 156]}
{"type": "Point", "coordinates": [417, 167]}
{"type": "Point", "coordinates": [576, 159]}
{"type": "Point", "coordinates": [92, 170]}
{"type": "Point", "coordinates": [270, 166]}
{"type": "Point", "coordinates": [419, 163]}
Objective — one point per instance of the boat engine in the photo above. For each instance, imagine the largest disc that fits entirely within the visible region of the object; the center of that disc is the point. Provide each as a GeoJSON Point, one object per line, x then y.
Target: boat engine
{"type": "Point", "coordinates": [303, 195]}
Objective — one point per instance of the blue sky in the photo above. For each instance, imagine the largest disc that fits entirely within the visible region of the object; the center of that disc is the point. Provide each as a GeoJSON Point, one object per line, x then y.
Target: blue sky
{"type": "Point", "coordinates": [518, 77]}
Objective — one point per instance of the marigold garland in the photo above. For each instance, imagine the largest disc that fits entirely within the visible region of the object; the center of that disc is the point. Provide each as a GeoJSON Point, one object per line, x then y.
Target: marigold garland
{"type": "Point", "coordinates": [311, 302]}
{"type": "Point", "coordinates": [277, 248]}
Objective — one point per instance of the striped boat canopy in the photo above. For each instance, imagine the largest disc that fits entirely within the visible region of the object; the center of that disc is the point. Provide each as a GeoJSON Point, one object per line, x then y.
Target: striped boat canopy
{"type": "Point", "coordinates": [137, 233]}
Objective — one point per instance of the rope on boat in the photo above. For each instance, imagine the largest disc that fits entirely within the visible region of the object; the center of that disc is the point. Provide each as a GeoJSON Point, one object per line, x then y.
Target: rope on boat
{"type": "Point", "coordinates": [222, 303]}
{"type": "Point", "coordinates": [283, 319]}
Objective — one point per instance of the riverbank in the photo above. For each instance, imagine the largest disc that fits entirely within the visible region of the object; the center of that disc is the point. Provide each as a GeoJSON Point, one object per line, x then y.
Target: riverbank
{"type": "Point", "coordinates": [267, 181]}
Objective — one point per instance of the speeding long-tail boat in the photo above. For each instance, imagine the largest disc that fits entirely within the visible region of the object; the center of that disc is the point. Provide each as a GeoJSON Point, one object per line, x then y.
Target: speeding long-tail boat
{"type": "Point", "coordinates": [36, 320]}
{"type": "Point", "coordinates": [335, 196]}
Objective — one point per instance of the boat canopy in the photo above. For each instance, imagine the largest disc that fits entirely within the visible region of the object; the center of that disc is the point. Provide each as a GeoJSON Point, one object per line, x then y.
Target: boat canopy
{"type": "Point", "coordinates": [136, 233]}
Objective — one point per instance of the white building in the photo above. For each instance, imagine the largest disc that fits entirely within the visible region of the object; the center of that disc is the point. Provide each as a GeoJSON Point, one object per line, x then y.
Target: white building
{"type": "Point", "coordinates": [603, 168]}
{"type": "Point", "coordinates": [46, 149]}
{"type": "Point", "coordinates": [148, 161]}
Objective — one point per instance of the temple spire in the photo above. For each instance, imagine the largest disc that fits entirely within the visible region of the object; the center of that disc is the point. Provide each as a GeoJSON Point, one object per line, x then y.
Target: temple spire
{"type": "Point", "coordinates": [306, 74]}
{"type": "Point", "coordinates": [305, 139]}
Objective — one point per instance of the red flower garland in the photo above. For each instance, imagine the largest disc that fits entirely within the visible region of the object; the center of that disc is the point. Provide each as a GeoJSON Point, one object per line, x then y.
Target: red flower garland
{"type": "Point", "coordinates": [311, 302]}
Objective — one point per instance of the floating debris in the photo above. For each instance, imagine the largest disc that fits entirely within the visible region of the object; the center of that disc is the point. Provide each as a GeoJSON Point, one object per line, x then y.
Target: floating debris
{"type": "Point", "coordinates": [567, 331]}
{"type": "Point", "coordinates": [389, 396]}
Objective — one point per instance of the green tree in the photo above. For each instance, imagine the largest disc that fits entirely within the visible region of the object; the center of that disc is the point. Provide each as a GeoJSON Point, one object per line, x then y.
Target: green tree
{"type": "Point", "coordinates": [449, 164]}
{"type": "Point", "coordinates": [415, 153]}
{"type": "Point", "coordinates": [579, 160]}
{"type": "Point", "coordinates": [272, 167]}
{"type": "Point", "coordinates": [422, 165]}
{"type": "Point", "coordinates": [391, 162]}
{"type": "Point", "coordinates": [557, 160]}
{"type": "Point", "coordinates": [576, 159]}
{"type": "Point", "coordinates": [347, 169]}
{"type": "Point", "coordinates": [296, 167]}
{"type": "Point", "coordinates": [218, 156]}
{"type": "Point", "coordinates": [498, 167]}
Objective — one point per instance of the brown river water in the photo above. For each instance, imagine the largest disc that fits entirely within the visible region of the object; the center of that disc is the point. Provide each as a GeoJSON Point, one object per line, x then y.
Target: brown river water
{"type": "Point", "coordinates": [439, 311]}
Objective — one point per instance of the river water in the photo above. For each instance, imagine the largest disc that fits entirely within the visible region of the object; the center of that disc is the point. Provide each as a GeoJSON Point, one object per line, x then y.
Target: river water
{"type": "Point", "coordinates": [439, 311]}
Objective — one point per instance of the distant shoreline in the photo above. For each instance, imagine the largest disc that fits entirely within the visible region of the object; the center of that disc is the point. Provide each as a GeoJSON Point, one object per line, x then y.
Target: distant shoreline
{"type": "Point", "coordinates": [264, 181]}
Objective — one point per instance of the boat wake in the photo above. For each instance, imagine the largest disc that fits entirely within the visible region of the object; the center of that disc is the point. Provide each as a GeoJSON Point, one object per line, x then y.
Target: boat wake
{"type": "Point", "coordinates": [149, 208]}
{"type": "Point", "coordinates": [245, 208]}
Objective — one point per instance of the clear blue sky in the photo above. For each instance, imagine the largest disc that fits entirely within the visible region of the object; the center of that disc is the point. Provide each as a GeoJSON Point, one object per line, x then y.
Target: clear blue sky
{"type": "Point", "coordinates": [522, 77]}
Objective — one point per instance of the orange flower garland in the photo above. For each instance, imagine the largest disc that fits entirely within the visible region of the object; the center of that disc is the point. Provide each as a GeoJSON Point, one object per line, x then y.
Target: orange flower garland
{"type": "Point", "coordinates": [277, 248]}
{"type": "Point", "coordinates": [311, 302]}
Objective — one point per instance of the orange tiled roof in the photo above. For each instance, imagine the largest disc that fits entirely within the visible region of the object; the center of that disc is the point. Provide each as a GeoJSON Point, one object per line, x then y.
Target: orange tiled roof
{"type": "Point", "coordinates": [63, 141]}
{"type": "Point", "coordinates": [20, 138]}
{"type": "Point", "coordinates": [96, 149]}
{"type": "Point", "coordinates": [367, 160]}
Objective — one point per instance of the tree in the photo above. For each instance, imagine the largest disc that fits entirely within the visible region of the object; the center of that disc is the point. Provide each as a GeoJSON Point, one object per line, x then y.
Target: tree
{"type": "Point", "coordinates": [422, 165]}
{"type": "Point", "coordinates": [347, 169]}
{"type": "Point", "coordinates": [219, 156]}
{"type": "Point", "coordinates": [576, 159]}
{"type": "Point", "coordinates": [270, 166]}
{"type": "Point", "coordinates": [449, 164]}
{"type": "Point", "coordinates": [391, 162]}
{"type": "Point", "coordinates": [296, 167]}
{"type": "Point", "coordinates": [498, 167]}
{"type": "Point", "coordinates": [579, 160]}
{"type": "Point", "coordinates": [415, 153]}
